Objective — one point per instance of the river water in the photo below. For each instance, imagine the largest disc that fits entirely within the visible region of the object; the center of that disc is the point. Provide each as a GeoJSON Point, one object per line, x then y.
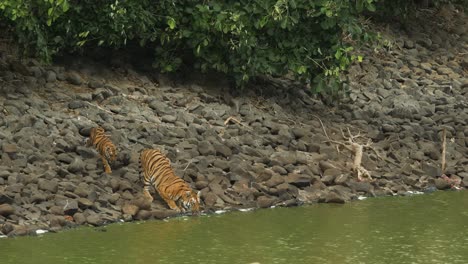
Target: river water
{"type": "Point", "coordinates": [429, 228]}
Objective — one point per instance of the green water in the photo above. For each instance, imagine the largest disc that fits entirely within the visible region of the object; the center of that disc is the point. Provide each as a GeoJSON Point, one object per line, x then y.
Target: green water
{"type": "Point", "coordinates": [419, 229]}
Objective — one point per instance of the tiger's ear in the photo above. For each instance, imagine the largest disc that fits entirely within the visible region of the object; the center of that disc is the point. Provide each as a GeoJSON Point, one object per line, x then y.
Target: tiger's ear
{"type": "Point", "coordinates": [198, 194]}
{"type": "Point", "coordinates": [188, 193]}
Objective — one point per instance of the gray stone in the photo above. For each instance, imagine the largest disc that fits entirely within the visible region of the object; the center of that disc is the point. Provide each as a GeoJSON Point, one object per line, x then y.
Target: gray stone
{"type": "Point", "coordinates": [169, 118]}
{"type": "Point", "coordinates": [210, 199]}
{"type": "Point", "coordinates": [442, 184]}
{"type": "Point", "coordinates": [222, 150]}
{"type": "Point", "coordinates": [431, 170]}
{"type": "Point", "coordinates": [130, 209]}
{"type": "Point", "coordinates": [94, 219]}
{"type": "Point", "coordinates": [283, 158]}
{"type": "Point", "coordinates": [162, 214]}
{"type": "Point", "coordinates": [48, 185]}
{"type": "Point", "coordinates": [298, 180]}
{"type": "Point", "coordinates": [6, 210]}
{"type": "Point", "coordinates": [51, 76]}
{"type": "Point", "coordinates": [9, 148]}
{"type": "Point", "coordinates": [206, 148]}
{"type": "Point", "coordinates": [70, 207]}
{"type": "Point", "coordinates": [76, 166]}
{"type": "Point", "coordinates": [274, 181]}
{"type": "Point", "coordinates": [79, 218]}
{"type": "Point", "coordinates": [84, 203]}
{"type": "Point", "coordinates": [143, 215]}
{"type": "Point", "coordinates": [93, 83]}
{"type": "Point", "coordinates": [74, 78]}
{"type": "Point", "coordinates": [333, 197]}
{"type": "Point", "coordinates": [76, 104]}
{"type": "Point", "coordinates": [265, 201]}
{"type": "Point", "coordinates": [299, 132]}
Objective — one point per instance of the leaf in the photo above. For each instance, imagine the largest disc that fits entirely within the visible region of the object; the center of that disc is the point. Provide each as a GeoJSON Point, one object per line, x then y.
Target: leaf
{"type": "Point", "coordinates": [371, 7]}
{"type": "Point", "coordinates": [65, 6]}
{"type": "Point", "coordinates": [171, 23]}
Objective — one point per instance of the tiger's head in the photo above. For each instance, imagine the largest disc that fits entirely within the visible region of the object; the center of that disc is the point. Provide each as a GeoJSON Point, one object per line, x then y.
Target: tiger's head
{"type": "Point", "coordinates": [191, 201]}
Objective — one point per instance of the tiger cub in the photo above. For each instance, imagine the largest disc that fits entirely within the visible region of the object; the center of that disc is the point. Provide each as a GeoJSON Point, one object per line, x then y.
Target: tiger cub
{"type": "Point", "coordinates": [156, 171]}
{"type": "Point", "coordinates": [103, 145]}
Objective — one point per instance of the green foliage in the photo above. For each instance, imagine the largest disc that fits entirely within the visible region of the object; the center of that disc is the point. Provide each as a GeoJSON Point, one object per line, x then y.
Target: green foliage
{"type": "Point", "coordinates": [241, 38]}
{"type": "Point", "coordinates": [308, 39]}
{"type": "Point", "coordinates": [31, 19]}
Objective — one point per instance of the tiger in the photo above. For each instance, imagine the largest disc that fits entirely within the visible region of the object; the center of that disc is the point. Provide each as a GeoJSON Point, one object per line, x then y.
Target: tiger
{"type": "Point", "coordinates": [104, 146]}
{"type": "Point", "coordinates": [156, 171]}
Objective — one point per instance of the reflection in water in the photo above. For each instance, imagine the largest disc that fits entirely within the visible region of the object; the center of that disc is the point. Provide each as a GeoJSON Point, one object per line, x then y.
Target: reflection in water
{"type": "Point", "coordinates": [419, 229]}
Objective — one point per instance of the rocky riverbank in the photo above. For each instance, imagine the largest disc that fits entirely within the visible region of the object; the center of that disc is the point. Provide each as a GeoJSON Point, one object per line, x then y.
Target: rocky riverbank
{"type": "Point", "coordinates": [275, 145]}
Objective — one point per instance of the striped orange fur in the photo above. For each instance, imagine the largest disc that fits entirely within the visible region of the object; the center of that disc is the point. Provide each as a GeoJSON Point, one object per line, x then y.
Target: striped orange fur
{"type": "Point", "coordinates": [103, 145]}
{"type": "Point", "coordinates": [156, 171]}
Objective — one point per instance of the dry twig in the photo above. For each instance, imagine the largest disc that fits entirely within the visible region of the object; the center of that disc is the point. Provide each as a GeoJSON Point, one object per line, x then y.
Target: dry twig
{"type": "Point", "coordinates": [444, 143]}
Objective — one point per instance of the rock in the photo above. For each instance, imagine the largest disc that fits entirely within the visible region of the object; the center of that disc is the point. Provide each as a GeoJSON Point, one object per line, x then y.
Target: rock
{"type": "Point", "coordinates": [162, 214]}
{"type": "Point", "coordinates": [283, 158]}
{"type": "Point", "coordinates": [341, 179]}
{"type": "Point", "coordinates": [201, 185]}
{"type": "Point", "coordinates": [76, 166]}
{"type": "Point", "coordinates": [84, 203]}
{"type": "Point", "coordinates": [82, 190]}
{"type": "Point", "coordinates": [7, 228]}
{"type": "Point", "coordinates": [143, 215]}
{"type": "Point", "coordinates": [210, 199]}
{"type": "Point", "coordinates": [48, 186]}
{"type": "Point", "coordinates": [222, 150]}
{"type": "Point", "coordinates": [51, 76]}
{"type": "Point", "coordinates": [333, 197]}
{"type": "Point", "coordinates": [56, 221]}
{"type": "Point", "coordinates": [71, 207]}
{"type": "Point", "coordinates": [169, 118]}
{"type": "Point", "coordinates": [205, 148]}
{"type": "Point", "coordinates": [9, 148]}
{"type": "Point", "coordinates": [405, 106]}
{"type": "Point", "coordinates": [431, 170]}
{"type": "Point", "coordinates": [442, 184]}
{"type": "Point", "coordinates": [74, 78]}
{"type": "Point", "coordinates": [130, 209]}
{"type": "Point", "coordinates": [94, 84]}
{"type": "Point", "coordinates": [4, 198]}
{"type": "Point", "coordinates": [274, 181]}
{"type": "Point", "coordinates": [142, 203]}
{"type": "Point", "coordinates": [265, 201]}
{"type": "Point", "coordinates": [94, 219]}
{"type": "Point", "coordinates": [299, 132]}
{"type": "Point", "coordinates": [76, 104]}
{"type": "Point", "coordinates": [38, 197]}
{"type": "Point", "coordinates": [79, 218]}
{"type": "Point", "coordinates": [298, 180]}
{"type": "Point", "coordinates": [6, 210]}
{"type": "Point", "coordinates": [365, 187]}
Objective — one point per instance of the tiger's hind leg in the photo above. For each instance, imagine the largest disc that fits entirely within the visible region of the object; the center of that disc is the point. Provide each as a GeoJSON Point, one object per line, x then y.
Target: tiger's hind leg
{"type": "Point", "coordinates": [107, 168]}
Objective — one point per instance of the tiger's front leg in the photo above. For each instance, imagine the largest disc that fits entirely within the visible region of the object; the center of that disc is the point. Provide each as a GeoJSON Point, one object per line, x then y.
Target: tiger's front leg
{"type": "Point", "coordinates": [107, 168]}
{"type": "Point", "coordinates": [171, 204]}
{"type": "Point", "coordinates": [147, 194]}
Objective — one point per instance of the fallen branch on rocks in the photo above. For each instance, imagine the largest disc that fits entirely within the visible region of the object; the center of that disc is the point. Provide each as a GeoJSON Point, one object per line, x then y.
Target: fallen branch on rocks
{"type": "Point", "coordinates": [231, 118]}
{"type": "Point", "coordinates": [358, 150]}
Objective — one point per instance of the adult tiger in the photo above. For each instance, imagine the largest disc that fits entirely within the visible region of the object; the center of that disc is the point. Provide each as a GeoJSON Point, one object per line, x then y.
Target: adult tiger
{"type": "Point", "coordinates": [156, 171]}
{"type": "Point", "coordinates": [103, 145]}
